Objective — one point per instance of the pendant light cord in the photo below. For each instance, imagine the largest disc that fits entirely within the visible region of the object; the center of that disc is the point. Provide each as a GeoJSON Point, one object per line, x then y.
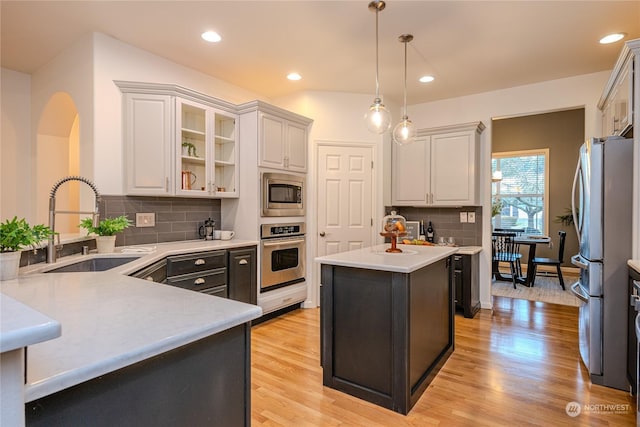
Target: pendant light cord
{"type": "Point", "coordinates": [377, 81]}
{"type": "Point", "coordinates": [404, 117]}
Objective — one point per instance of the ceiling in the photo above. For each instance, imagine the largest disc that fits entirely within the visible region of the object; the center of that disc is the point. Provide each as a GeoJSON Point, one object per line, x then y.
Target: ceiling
{"type": "Point", "coordinates": [469, 46]}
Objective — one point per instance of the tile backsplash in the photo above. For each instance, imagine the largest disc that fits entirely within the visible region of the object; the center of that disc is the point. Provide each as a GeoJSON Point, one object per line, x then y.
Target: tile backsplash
{"type": "Point", "coordinates": [446, 222]}
{"type": "Point", "coordinates": [177, 218]}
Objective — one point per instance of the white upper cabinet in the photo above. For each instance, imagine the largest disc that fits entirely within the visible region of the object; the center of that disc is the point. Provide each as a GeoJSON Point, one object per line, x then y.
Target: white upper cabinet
{"type": "Point", "coordinates": [282, 143]}
{"type": "Point", "coordinates": [617, 101]}
{"type": "Point", "coordinates": [148, 135]}
{"type": "Point", "coordinates": [178, 142]}
{"type": "Point", "coordinates": [440, 169]}
{"type": "Point", "coordinates": [207, 157]}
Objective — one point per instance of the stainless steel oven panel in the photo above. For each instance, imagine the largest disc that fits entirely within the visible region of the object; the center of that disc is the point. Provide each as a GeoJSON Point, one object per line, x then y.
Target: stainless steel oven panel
{"type": "Point", "coordinates": [282, 261]}
{"type": "Point", "coordinates": [282, 194]}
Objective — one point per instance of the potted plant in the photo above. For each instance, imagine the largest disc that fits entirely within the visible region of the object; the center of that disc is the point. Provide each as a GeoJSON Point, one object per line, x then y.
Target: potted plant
{"type": "Point", "coordinates": [106, 231]}
{"type": "Point", "coordinates": [16, 234]}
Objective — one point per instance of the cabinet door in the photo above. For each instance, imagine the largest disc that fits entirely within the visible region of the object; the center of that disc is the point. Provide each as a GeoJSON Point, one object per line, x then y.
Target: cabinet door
{"type": "Point", "coordinates": [226, 157]}
{"type": "Point", "coordinates": [242, 281]}
{"type": "Point", "coordinates": [272, 141]}
{"type": "Point", "coordinates": [622, 110]}
{"type": "Point", "coordinates": [296, 154]}
{"type": "Point", "coordinates": [454, 167]}
{"type": "Point", "coordinates": [410, 169]}
{"type": "Point", "coordinates": [193, 142]}
{"type": "Point", "coordinates": [148, 136]}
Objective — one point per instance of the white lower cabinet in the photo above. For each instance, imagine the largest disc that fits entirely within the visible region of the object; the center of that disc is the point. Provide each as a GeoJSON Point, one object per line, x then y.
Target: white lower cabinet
{"type": "Point", "coordinates": [440, 169]}
{"type": "Point", "coordinates": [178, 142]}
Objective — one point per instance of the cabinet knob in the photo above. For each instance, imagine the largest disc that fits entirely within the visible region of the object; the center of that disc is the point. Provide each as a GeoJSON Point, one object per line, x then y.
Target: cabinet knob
{"type": "Point", "coordinates": [200, 261]}
{"type": "Point", "coordinates": [322, 234]}
{"type": "Point", "coordinates": [198, 281]}
{"type": "Point", "coordinates": [243, 262]}
{"type": "Point", "coordinates": [149, 278]}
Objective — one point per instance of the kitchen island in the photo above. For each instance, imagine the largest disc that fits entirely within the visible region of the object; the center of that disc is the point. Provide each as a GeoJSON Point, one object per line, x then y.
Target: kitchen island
{"type": "Point", "coordinates": [387, 322]}
{"type": "Point", "coordinates": [134, 352]}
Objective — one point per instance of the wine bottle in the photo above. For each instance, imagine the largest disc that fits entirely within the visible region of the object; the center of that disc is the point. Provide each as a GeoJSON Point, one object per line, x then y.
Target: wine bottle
{"type": "Point", "coordinates": [421, 235]}
{"type": "Point", "coordinates": [430, 233]}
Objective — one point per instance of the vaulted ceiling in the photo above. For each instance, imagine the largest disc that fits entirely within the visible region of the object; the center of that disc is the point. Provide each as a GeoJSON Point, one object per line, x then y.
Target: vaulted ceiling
{"type": "Point", "coordinates": [469, 46]}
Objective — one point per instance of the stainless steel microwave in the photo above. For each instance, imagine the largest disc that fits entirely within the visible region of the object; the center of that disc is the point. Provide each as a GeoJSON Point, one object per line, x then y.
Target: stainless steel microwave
{"type": "Point", "coordinates": [282, 194]}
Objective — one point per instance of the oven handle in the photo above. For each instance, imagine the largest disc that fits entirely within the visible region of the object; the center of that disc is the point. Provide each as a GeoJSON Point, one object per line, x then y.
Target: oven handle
{"type": "Point", "coordinates": [282, 242]}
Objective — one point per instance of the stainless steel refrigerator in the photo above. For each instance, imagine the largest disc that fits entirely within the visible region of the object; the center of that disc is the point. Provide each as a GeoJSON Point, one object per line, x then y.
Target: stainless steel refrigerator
{"type": "Point", "coordinates": [602, 192]}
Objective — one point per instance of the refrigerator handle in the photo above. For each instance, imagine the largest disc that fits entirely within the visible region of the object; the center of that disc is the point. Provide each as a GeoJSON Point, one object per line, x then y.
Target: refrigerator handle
{"type": "Point", "coordinates": [575, 288]}
{"type": "Point", "coordinates": [573, 201]}
{"type": "Point", "coordinates": [577, 261]}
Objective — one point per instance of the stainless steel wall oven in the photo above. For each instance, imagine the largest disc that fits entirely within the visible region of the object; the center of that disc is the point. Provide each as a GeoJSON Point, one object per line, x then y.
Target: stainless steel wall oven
{"type": "Point", "coordinates": [282, 249]}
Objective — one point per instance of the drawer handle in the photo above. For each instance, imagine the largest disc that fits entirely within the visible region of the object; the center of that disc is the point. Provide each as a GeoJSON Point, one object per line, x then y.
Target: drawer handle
{"type": "Point", "coordinates": [199, 281]}
{"type": "Point", "coordinates": [243, 262]}
{"type": "Point", "coordinates": [200, 261]}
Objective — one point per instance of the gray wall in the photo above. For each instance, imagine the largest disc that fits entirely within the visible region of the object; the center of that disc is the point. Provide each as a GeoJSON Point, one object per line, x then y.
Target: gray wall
{"type": "Point", "coordinates": [446, 222]}
{"type": "Point", "coordinates": [176, 218]}
{"type": "Point", "coordinates": [562, 133]}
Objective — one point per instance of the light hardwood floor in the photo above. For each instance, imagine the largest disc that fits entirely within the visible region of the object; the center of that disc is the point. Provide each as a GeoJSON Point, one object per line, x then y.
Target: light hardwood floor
{"type": "Point", "coordinates": [515, 365]}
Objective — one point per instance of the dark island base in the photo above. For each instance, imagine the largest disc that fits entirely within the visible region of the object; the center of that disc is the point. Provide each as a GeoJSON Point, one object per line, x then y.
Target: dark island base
{"type": "Point", "coordinates": [200, 384]}
{"type": "Point", "coordinates": [386, 335]}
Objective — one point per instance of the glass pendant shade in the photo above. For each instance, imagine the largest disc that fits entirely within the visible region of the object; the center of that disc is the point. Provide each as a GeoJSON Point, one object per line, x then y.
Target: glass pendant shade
{"type": "Point", "coordinates": [377, 118]}
{"type": "Point", "coordinates": [404, 132]}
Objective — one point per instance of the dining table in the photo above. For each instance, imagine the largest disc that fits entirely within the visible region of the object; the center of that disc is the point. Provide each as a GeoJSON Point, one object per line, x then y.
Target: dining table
{"type": "Point", "coordinates": [532, 241]}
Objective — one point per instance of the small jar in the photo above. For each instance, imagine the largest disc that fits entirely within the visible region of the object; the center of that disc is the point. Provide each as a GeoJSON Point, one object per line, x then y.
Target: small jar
{"type": "Point", "coordinates": [394, 224]}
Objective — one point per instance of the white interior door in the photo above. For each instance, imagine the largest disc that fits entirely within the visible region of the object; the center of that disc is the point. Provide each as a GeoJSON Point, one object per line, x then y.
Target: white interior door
{"type": "Point", "coordinates": [345, 198]}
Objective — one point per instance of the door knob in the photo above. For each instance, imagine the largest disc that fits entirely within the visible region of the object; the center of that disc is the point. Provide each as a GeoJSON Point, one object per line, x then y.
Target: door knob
{"type": "Point", "coordinates": [322, 234]}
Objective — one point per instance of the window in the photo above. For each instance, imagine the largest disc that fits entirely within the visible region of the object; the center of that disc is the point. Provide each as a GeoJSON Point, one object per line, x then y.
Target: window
{"type": "Point", "coordinates": [520, 198]}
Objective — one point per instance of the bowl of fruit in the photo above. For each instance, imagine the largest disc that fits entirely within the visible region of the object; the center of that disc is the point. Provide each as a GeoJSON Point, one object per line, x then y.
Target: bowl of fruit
{"type": "Point", "coordinates": [394, 226]}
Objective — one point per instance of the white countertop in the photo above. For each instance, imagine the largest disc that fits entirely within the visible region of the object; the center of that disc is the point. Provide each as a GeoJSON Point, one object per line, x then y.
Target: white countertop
{"type": "Point", "coordinates": [411, 259]}
{"type": "Point", "coordinates": [21, 326]}
{"type": "Point", "coordinates": [110, 320]}
{"type": "Point", "coordinates": [469, 250]}
{"type": "Point", "coordinates": [635, 264]}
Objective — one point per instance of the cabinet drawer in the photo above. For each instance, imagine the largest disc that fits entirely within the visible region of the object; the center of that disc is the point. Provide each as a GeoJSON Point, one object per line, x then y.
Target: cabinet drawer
{"type": "Point", "coordinates": [220, 291]}
{"type": "Point", "coordinates": [200, 280]}
{"type": "Point", "coordinates": [190, 263]}
{"type": "Point", "coordinates": [154, 273]}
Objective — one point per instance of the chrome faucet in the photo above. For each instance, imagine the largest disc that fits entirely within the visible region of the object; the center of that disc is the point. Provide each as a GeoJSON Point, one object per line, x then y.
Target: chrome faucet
{"type": "Point", "coordinates": [51, 247]}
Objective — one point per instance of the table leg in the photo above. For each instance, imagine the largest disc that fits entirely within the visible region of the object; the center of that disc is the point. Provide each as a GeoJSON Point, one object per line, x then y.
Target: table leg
{"type": "Point", "coordinates": [532, 255]}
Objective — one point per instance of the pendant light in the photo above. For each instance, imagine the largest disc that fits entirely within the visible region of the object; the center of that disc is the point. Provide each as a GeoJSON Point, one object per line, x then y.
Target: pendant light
{"type": "Point", "coordinates": [405, 131]}
{"type": "Point", "coordinates": [377, 118]}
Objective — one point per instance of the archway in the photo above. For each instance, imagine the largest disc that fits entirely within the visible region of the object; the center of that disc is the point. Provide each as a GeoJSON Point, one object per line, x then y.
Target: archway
{"type": "Point", "coordinates": [57, 156]}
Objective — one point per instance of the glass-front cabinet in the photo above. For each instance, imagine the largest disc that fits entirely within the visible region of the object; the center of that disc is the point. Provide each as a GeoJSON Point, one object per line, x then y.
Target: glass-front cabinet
{"type": "Point", "coordinates": [207, 160]}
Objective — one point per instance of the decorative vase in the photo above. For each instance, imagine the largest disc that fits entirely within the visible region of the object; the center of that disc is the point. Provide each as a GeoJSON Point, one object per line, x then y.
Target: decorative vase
{"type": "Point", "coordinates": [9, 264]}
{"type": "Point", "coordinates": [106, 244]}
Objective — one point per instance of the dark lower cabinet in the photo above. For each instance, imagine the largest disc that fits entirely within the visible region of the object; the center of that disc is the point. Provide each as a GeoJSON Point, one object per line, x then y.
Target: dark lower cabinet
{"type": "Point", "coordinates": [228, 273]}
{"type": "Point", "coordinates": [385, 335]}
{"type": "Point", "coordinates": [205, 383]}
{"type": "Point", "coordinates": [467, 284]}
{"type": "Point", "coordinates": [243, 281]}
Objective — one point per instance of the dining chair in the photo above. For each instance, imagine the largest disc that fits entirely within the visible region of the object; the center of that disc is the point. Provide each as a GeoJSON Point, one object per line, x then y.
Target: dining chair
{"type": "Point", "coordinates": [557, 262]}
{"type": "Point", "coordinates": [518, 231]}
{"type": "Point", "coordinates": [505, 249]}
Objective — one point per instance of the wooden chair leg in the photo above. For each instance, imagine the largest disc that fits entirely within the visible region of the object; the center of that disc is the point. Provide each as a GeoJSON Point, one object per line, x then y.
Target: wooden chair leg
{"type": "Point", "coordinates": [560, 276]}
{"type": "Point", "coordinates": [533, 276]}
{"type": "Point", "coordinates": [513, 274]}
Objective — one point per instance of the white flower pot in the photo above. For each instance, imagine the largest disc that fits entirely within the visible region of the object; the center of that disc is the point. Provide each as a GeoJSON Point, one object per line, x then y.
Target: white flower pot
{"type": "Point", "coordinates": [106, 244]}
{"type": "Point", "coordinates": [9, 264]}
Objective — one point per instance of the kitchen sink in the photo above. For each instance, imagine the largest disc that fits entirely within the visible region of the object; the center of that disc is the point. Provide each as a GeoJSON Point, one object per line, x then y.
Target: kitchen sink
{"type": "Point", "coordinates": [93, 264]}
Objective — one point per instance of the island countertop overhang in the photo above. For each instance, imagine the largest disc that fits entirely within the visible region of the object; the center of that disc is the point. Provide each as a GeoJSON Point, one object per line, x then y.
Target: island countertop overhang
{"type": "Point", "coordinates": [375, 258]}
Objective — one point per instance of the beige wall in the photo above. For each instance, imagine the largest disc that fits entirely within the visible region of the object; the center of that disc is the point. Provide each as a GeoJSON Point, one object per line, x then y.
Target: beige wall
{"type": "Point", "coordinates": [562, 132]}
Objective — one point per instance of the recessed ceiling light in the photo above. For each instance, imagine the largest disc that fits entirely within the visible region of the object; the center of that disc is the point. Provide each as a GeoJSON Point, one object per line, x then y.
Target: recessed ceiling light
{"type": "Point", "coordinates": [211, 36]}
{"type": "Point", "coordinates": [612, 38]}
{"type": "Point", "coordinates": [426, 79]}
{"type": "Point", "coordinates": [294, 76]}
